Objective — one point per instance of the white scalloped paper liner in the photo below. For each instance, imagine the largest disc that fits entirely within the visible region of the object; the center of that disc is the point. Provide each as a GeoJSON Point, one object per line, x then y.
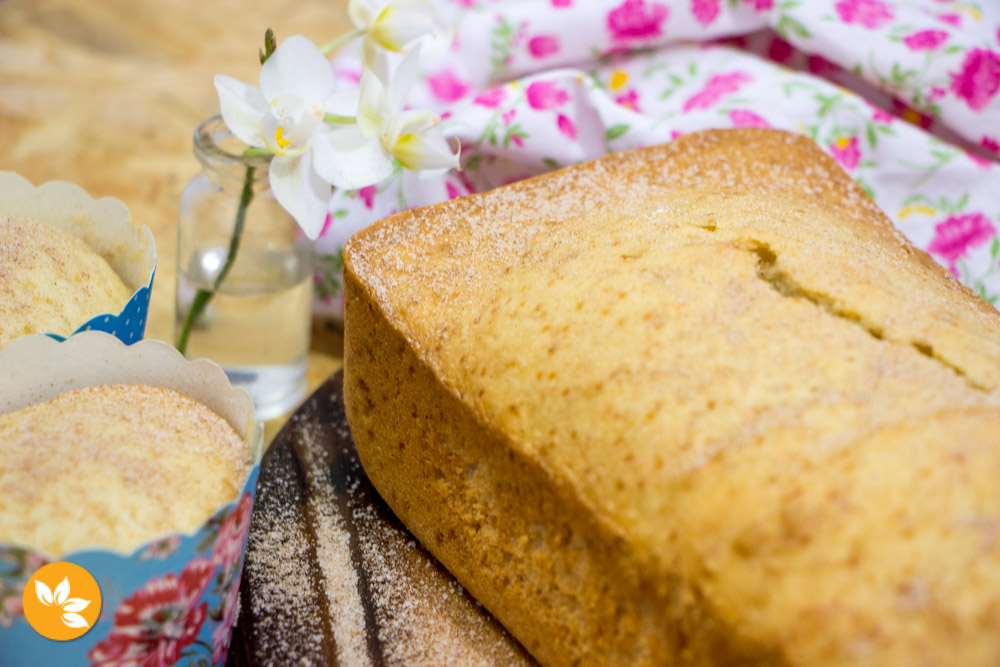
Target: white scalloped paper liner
{"type": "Point", "coordinates": [104, 224]}
{"type": "Point", "coordinates": [38, 368]}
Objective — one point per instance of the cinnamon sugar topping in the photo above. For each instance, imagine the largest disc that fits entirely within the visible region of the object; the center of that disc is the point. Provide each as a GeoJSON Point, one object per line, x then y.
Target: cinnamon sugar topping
{"type": "Point", "coordinates": [113, 466]}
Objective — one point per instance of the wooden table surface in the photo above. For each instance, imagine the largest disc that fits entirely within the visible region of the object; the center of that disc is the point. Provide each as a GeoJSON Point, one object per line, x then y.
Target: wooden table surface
{"type": "Point", "coordinates": [107, 93]}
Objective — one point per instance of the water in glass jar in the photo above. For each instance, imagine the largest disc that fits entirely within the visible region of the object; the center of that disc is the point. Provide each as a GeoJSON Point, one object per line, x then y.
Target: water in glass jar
{"type": "Point", "coordinates": [258, 324]}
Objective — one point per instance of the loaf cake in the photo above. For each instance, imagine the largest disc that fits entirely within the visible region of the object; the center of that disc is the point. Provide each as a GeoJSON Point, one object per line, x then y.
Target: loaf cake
{"type": "Point", "coordinates": [698, 403]}
{"type": "Point", "coordinates": [51, 281]}
{"type": "Point", "coordinates": [114, 466]}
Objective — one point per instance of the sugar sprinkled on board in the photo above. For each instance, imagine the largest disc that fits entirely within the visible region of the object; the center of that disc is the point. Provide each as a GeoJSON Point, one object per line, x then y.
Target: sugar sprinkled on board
{"type": "Point", "coordinates": [332, 554]}
{"type": "Point", "coordinates": [422, 614]}
{"type": "Point", "coordinates": [425, 616]}
{"type": "Point", "coordinates": [276, 556]}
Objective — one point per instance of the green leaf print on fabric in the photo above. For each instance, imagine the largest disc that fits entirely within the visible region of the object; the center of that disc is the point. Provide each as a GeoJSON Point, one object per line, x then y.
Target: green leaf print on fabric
{"type": "Point", "coordinates": [616, 131]}
{"type": "Point", "coordinates": [328, 270]}
{"type": "Point", "coordinates": [502, 39]}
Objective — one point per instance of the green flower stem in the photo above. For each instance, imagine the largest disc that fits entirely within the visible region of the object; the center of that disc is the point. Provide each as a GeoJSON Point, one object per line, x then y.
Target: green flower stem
{"type": "Point", "coordinates": [203, 296]}
{"type": "Point", "coordinates": [332, 45]}
{"type": "Point", "coordinates": [340, 120]}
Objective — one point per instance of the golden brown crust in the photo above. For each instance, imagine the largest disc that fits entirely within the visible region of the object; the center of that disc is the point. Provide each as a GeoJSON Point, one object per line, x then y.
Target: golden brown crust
{"type": "Point", "coordinates": [511, 532]}
{"type": "Point", "coordinates": [672, 349]}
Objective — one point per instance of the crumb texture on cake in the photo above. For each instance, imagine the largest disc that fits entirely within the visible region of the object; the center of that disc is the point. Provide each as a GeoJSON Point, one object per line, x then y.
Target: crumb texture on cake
{"type": "Point", "coordinates": [699, 403]}
{"type": "Point", "coordinates": [114, 466]}
{"type": "Point", "coordinates": [51, 281]}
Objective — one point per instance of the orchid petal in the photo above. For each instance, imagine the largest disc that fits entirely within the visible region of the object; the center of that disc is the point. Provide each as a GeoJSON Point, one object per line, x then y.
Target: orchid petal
{"type": "Point", "coordinates": [370, 118]}
{"type": "Point", "coordinates": [289, 125]}
{"type": "Point", "coordinates": [413, 121]}
{"type": "Point", "coordinates": [301, 191]}
{"type": "Point", "coordinates": [402, 82]}
{"type": "Point", "coordinates": [297, 68]}
{"type": "Point", "coordinates": [242, 106]}
{"type": "Point", "coordinates": [401, 24]}
{"type": "Point", "coordinates": [343, 103]}
{"type": "Point", "coordinates": [349, 159]}
{"type": "Point", "coordinates": [362, 13]}
{"type": "Point", "coordinates": [378, 65]}
{"type": "Point", "coordinates": [424, 151]}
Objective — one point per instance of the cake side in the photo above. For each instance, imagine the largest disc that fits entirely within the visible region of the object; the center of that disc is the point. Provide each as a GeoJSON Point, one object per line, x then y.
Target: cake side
{"type": "Point", "coordinates": [510, 531]}
{"type": "Point", "coordinates": [693, 325]}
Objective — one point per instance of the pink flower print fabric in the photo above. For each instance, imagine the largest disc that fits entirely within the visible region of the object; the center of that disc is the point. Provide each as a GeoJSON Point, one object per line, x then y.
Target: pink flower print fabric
{"type": "Point", "coordinates": [629, 100]}
{"type": "Point", "coordinates": [746, 118]}
{"type": "Point", "coordinates": [957, 235]}
{"type": "Point", "coordinates": [869, 13]}
{"type": "Point", "coordinates": [845, 151]}
{"type": "Point", "coordinates": [637, 19]}
{"type": "Point", "coordinates": [566, 126]}
{"type": "Point", "coordinates": [543, 45]}
{"type": "Point", "coordinates": [926, 40]}
{"type": "Point", "coordinates": [903, 94]}
{"type": "Point", "coordinates": [705, 11]}
{"type": "Point", "coordinates": [715, 89]}
{"type": "Point", "coordinates": [446, 86]}
{"type": "Point", "coordinates": [491, 99]}
{"type": "Point", "coordinates": [978, 79]}
{"type": "Point", "coordinates": [544, 95]}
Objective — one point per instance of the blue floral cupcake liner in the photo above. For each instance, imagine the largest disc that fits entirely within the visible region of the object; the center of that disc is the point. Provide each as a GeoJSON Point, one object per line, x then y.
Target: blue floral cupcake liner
{"type": "Point", "coordinates": [173, 600]}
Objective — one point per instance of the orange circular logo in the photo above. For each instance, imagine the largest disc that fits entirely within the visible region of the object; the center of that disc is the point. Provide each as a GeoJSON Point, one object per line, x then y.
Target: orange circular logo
{"type": "Point", "coordinates": [61, 601]}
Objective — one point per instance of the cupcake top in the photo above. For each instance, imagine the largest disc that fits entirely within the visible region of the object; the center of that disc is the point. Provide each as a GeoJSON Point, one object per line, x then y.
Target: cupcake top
{"type": "Point", "coordinates": [114, 466]}
{"type": "Point", "coordinates": [51, 281]}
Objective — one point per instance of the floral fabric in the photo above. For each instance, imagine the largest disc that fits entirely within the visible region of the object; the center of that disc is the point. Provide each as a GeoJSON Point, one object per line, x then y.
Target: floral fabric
{"type": "Point", "coordinates": [903, 94]}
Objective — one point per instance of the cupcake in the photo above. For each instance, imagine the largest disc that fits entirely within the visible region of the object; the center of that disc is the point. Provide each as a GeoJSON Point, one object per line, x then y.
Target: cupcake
{"type": "Point", "coordinates": [70, 263]}
{"type": "Point", "coordinates": [137, 466]}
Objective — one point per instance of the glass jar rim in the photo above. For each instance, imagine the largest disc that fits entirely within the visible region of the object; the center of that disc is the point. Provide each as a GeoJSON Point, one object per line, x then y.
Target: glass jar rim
{"type": "Point", "coordinates": [208, 138]}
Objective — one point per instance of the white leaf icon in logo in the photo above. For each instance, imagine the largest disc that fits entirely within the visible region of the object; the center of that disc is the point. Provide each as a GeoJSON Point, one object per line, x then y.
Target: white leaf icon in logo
{"type": "Point", "coordinates": [74, 605]}
{"type": "Point", "coordinates": [61, 592]}
{"type": "Point", "coordinates": [60, 598]}
{"type": "Point", "coordinates": [44, 593]}
{"type": "Point", "coordinates": [75, 621]}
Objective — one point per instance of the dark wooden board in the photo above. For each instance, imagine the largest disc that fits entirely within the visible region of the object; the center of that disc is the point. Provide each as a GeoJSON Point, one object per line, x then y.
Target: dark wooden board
{"type": "Point", "coordinates": [332, 577]}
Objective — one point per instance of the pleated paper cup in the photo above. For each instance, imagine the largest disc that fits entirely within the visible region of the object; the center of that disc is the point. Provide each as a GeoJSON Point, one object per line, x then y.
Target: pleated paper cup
{"type": "Point", "coordinates": [172, 599]}
{"type": "Point", "coordinates": [106, 226]}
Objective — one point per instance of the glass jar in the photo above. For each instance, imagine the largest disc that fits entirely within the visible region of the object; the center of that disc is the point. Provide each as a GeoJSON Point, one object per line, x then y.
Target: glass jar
{"type": "Point", "coordinates": [251, 280]}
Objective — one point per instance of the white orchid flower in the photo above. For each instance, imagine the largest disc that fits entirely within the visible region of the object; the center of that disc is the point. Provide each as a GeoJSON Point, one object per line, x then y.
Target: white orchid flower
{"type": "Point", "coordinates": [286, 116]}
{"type": "Point", "coordinates": [385, 130]}
{"type": "Point", "coordinates": [394, 25]}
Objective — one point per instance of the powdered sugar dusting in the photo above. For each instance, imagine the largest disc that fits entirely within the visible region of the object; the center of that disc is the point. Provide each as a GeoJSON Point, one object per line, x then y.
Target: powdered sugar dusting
{"type": "Point", "coordinates": [334, 578]}
{"type": "Point", "coordinates": [448, 247]}
{"type": "Point", "coordinates": [425, 616]}
{"type": "Point", "coordinates": [333, 553]}
{"type": "Point", "coordinates": [275, 553]}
